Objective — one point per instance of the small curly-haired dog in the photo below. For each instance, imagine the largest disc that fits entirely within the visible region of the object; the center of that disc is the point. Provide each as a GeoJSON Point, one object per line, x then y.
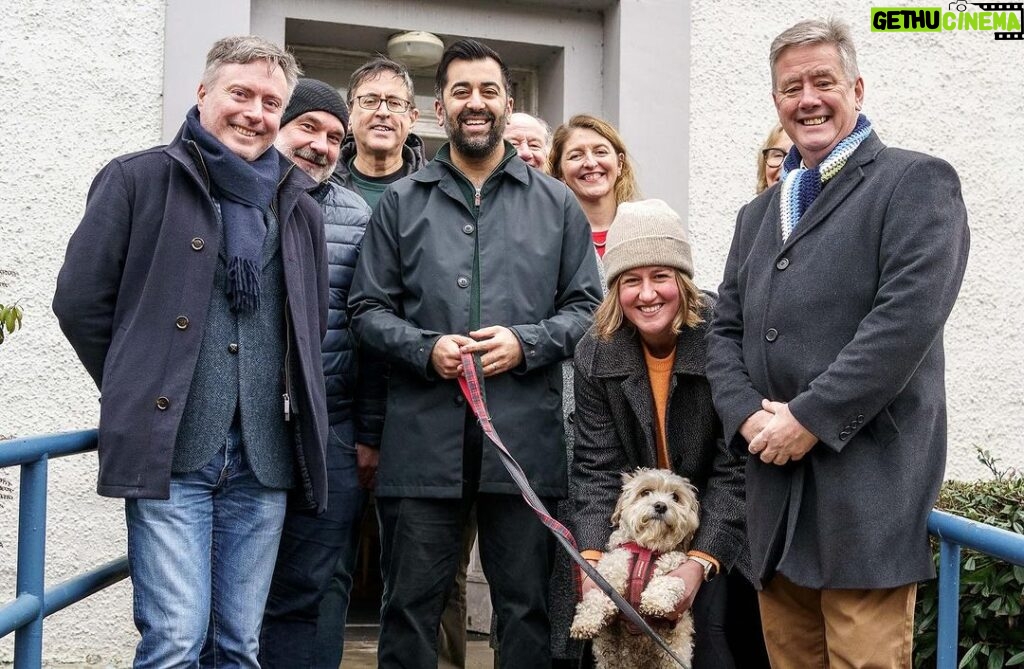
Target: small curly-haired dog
{"type": "Point", "coordinates": [657, 511]}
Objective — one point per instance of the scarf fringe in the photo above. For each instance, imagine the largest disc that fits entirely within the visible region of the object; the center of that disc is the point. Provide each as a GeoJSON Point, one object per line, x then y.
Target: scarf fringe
{"type": "Point", "coordinates": [243, 285]}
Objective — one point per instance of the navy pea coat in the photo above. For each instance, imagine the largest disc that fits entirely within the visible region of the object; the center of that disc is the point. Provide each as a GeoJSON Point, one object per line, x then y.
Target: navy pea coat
{"type": "Point", "coordinates": [844, 322]}
{"type": "Point", "coordinates": [132, 299]}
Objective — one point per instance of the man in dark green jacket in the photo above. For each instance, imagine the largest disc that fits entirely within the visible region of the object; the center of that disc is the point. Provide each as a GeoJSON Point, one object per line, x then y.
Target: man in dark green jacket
{"type": "Point", "coordinates": [474, 253]}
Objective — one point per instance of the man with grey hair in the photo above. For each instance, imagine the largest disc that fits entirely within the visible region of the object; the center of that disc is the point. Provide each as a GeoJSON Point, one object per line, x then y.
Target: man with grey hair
{"type": "Point", "coordinates": [531, 137]}
{"type": "Point", "coordinates": [380, 149]}
{"type": "Point", "coordinates": [195, 293]}
{"type": "Point", "coordinates": [826, 364]}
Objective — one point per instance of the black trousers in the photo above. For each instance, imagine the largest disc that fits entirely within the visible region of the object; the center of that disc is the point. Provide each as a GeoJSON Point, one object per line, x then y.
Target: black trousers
{"type": "Point", "coordinates": [421, 544]}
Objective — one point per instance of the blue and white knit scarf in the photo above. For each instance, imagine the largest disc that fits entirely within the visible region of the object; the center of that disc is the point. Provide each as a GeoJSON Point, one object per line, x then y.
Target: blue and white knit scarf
{"type": "Point", "coordinates": [802, 185]}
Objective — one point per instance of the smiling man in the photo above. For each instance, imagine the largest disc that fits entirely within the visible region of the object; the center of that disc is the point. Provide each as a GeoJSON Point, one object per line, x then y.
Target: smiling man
{"type": "Point", "coordinates": [195, 293]}
{"type": "Point", "coordinates": [531, 137]}
{"type": "Point", "coordinates": [475, 253]}
{"type": "Point", "coordinates": [312, 129]}
{"type": "Point", "coordinates": [827, 366]}
{"type": "Point", "coordinates": [380, 149]}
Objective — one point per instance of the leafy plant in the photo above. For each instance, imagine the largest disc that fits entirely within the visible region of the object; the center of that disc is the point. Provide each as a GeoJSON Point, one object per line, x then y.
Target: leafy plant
{"type": "Point", "coordinates": [991, 591]}
{"type": "Point", "coordinates": [10, 319]}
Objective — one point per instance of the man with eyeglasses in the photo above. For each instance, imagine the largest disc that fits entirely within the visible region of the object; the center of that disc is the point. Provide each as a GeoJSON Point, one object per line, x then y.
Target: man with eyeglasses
{"type": "Point", "coordinates": [379, 149]}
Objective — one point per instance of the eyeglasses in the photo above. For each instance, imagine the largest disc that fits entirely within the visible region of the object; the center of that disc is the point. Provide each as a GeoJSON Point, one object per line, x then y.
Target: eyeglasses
{"type": "Point", "coordinates": [372, 102]}
{"type": "Point", "coordinates": [773, 157]}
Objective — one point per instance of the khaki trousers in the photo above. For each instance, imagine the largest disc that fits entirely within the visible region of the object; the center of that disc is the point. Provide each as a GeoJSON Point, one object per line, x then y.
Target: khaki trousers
{"type": "Point", "coordinates": [805, 628]}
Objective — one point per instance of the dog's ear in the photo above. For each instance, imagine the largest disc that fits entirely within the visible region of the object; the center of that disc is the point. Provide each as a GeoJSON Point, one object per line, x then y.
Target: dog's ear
{"type": "Point", "coordinates": [627, 477]}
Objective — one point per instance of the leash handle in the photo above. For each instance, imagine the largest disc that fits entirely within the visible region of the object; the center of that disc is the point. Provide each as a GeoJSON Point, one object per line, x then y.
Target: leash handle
{"type": "Point", "coordinates": [471, 384]}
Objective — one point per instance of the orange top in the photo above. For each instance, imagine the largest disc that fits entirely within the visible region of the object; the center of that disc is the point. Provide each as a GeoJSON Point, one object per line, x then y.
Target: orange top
{"type": "Point", "coordinates": [659, 370]}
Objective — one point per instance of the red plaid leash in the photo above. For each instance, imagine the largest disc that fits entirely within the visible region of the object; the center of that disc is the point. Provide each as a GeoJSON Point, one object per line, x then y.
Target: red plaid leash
{"type": "Point", "coordinates": [471, 383]}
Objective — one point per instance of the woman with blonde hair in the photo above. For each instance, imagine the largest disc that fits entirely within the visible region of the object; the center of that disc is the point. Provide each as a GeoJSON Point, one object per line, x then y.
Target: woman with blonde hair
{"type": "Point", "coordinates": [642, 400]}
{"type": "Point", "coordinates": [770, 157]}
{"type": "Point", "coordinates": [588, 154]}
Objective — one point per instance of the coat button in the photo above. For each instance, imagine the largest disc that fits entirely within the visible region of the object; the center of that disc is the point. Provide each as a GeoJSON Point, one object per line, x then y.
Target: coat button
{"type": "Point", "coordinates": [463, 282]}
{"type": "Point", "coordinates": [772, 334]}
{"type": "Point", "coordinates": [860, 418]}
{"type": "Point", "coordinates": [232, 347]}
{"type": "Point", "coordinates": [782, 264]}
{"type": "Point", "coordinates": [459, 400]}
{"type": "Point", "coordinates": [468, 229]}
{"type": "Point", "coordinates": [181, 322]}
{"type": "Point", "coordinates": [162, 403]}
{"type": "Point", "coordinates": [844, 435]}
{"type": "Point", "coordinates": [198, 243]}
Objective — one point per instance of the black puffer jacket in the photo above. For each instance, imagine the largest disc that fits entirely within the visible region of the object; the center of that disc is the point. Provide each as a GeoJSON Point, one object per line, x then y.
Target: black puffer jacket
{"type": "Point", "coordinates": [355, 387]}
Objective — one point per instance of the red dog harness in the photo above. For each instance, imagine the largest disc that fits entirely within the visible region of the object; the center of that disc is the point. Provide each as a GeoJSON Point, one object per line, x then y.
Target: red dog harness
{"type": "Point", "coordinates": [641, 570]}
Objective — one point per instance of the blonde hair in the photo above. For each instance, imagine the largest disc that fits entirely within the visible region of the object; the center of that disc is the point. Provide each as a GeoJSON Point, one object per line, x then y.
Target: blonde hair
{"type": "Point", "coordinates": [609, 319]}
{"type": "Point", "coordinates": [773, 138]}
{"type": "Point", "coordinates": [626, 188]}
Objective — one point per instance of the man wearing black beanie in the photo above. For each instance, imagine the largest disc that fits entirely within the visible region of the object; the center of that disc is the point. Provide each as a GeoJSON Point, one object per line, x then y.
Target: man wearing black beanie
{"type": "Point", "coordinates": [312, 128]}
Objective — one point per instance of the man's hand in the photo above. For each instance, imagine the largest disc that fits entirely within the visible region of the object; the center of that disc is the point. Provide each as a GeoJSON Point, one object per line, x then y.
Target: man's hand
{"type": "Point", "coordinates": [367, 459]}
{"type": "Point", "coordinates": [499, 349]}
{"type": "Point", "coordinates": [446, 357]}
{"type": "Point", "coordinates": [753, 425]}
{"type": "Point", "coordinates": [783, 438]}
{"type": "Point", "coordinates": [692, 574]}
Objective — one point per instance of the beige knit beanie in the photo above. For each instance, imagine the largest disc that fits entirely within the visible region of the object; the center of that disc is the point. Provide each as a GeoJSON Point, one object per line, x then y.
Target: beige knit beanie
{"type": "Point", "coordinates": [645, 233]}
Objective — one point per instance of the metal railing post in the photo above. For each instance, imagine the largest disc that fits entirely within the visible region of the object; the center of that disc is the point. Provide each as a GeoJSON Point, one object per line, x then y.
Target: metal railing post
{"type": "Point", "coordinates": [28, 641]}
{"type": "Point", "coordinates": [949, 605]}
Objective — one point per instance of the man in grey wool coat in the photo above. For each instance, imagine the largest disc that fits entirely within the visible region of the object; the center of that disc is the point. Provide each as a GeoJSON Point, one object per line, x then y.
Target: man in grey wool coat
{"type": "Point", "coordinates": [826, 364]}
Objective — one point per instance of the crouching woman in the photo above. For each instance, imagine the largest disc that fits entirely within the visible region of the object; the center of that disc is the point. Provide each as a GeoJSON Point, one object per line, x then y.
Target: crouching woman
{"type": "Point", "coordinates": [642, 400]}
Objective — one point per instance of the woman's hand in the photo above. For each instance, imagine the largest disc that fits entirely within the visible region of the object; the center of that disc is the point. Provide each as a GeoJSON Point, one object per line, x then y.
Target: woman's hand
{"type": "Point", "coordinates": [587, 582]}
{"type": "Point", "coordinates": [692, 574]}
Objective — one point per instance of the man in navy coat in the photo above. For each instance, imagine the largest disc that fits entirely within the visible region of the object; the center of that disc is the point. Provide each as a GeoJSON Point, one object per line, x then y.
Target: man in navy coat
{"type": "Point", "coordinates": [826, 364]}
{"type": "Point", "coordinates": [195, 293]}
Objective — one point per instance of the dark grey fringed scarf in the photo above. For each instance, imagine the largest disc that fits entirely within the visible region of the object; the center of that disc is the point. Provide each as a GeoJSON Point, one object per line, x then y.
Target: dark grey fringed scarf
{"type": "Point", "coordinates": [245, 191]}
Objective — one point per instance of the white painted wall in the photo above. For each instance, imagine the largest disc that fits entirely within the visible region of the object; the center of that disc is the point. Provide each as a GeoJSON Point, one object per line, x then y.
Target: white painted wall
{"type": "Point", "coordinates": [79, 84]}
{"type": "Point", "coordinates": [82, 83]}
{"type": "Point", "coordinates": [955, 95]}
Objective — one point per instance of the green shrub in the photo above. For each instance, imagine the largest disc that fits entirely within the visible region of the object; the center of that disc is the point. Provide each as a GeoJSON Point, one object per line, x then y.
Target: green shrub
{"type": "Point", "coordinates": [991, 591]}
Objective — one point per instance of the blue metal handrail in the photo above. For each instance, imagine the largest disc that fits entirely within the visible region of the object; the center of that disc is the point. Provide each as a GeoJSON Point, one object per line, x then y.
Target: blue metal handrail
{"type": "Point", "coordinates": [954, 532]}
{"type": "Point", "coordinates": [24, 615]}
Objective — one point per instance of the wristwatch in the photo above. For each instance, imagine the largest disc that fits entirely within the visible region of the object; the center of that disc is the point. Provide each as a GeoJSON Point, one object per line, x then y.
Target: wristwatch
{"type": "Point", "coordinates": [709, 567]}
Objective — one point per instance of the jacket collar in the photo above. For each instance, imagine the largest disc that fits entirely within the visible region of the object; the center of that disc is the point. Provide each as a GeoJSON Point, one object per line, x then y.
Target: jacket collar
{"type": "Point", "coordinates": [440, 167]}
{"type": "Point", "coordinates": [622, 355]}
{"type": "Point", "coordinates": [834, 192]}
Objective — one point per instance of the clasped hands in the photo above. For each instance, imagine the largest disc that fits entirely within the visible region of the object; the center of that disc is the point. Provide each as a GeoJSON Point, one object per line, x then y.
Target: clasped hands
{"type": "Point", "coordinates": [498, 346]}
{"type": "Point", "coordinates": [775, 435]}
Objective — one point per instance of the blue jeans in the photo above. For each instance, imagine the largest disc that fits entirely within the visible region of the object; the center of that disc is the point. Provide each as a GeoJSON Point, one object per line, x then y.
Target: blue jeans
{"type": "Point", "coordinates": [301, 627]}
{"type": "Point", "coordinates": [202, 560]}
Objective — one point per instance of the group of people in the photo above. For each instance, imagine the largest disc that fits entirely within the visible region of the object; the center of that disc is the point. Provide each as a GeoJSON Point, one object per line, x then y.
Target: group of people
{"type": "Point", "coordinates": [275, 308]}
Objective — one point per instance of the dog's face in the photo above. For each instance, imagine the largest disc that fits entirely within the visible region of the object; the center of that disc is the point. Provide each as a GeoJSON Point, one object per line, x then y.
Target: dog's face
{"type": "Point", "coordinates": [657, 509]}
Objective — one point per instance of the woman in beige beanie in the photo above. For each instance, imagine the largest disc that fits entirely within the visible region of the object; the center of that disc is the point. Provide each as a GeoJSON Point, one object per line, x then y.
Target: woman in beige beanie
{"type": "Point", "coordinates": [642, 400]}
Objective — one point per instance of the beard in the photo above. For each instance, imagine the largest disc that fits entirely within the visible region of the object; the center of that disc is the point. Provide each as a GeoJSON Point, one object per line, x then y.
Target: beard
{"type": "Point", "coordinates": [477, 146]}
{"type": "Point", "coordinates": [323, 170]}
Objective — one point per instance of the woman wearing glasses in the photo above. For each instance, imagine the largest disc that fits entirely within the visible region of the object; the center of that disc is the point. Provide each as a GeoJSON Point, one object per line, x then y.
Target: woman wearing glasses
{"type": "Point", "coordinates": [769, 160]}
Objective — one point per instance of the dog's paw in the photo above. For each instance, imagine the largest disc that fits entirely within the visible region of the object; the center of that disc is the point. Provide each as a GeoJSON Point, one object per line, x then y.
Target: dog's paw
{"type": "Point", "coordinates": [584, 627]}
{"type": "Point", "coordinates": [661, 595]}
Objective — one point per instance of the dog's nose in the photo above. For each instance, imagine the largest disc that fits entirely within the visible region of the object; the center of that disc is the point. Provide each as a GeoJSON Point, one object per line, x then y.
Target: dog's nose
{"type": "Point", "coordinates": [659, 507]}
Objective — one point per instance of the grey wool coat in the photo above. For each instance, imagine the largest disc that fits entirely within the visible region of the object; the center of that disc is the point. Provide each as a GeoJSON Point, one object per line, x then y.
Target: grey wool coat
{"type": "Point", "coordinates": [133, 296]}
{"type": "Point", "coordinates": [614, 423]}
{"type": "Point", "coordinates": [538, 276]}
{"type": "Point", "coordinates": [844, 322]}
